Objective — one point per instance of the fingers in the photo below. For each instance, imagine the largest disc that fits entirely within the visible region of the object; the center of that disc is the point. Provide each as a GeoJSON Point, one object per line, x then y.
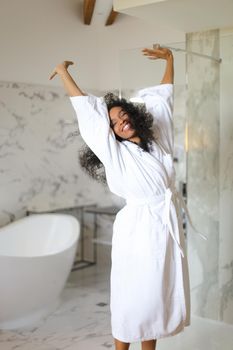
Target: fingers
{"type": "Point", "coordinates": [60, 67]}
{"type": "Point", "coordinates": [52, 75]}
{"type": "Point", "coordinates": [157, 52]}
{"type": "Point", "coordinates": [145, 50]}
{"type": "Point", "coordinates": [151, 54]}
{"type": "Point", "coordinates": [152, 51]}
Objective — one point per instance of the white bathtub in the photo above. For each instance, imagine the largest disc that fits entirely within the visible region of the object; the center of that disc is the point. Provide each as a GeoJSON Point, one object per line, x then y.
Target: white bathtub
{"type": "Point", "coordinates": [36, 257]}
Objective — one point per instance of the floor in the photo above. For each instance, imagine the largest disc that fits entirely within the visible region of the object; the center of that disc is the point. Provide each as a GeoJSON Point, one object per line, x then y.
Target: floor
{"type": "Point", "coordinates": [82, 322]}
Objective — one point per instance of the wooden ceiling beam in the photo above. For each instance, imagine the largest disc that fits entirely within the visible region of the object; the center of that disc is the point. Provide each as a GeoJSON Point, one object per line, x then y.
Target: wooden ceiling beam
{"type": "Point", "coordinates": [88, 8]}
{"type": "Point", "coordinates": [111, 18]}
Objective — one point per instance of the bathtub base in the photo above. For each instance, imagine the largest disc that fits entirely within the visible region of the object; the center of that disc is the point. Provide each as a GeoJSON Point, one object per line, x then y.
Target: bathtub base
{"type": "Point", "coordinates": [32, 320]}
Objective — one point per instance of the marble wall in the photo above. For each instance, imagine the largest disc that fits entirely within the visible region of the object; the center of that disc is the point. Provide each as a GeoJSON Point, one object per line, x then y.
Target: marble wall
{"type": "Point", "coordinates": [225, 268]}
{"type": "Point", "coordinates": [211, 298]}
{"type": "Point", "coordinates": [39, 154]}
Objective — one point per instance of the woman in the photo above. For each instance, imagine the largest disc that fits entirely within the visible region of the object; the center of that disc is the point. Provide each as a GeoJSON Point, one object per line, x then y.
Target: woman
{"type": "Point", "coordinates": [149, 275]}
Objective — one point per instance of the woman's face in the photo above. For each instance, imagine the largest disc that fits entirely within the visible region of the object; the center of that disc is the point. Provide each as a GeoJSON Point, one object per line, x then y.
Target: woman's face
{"type": "Point", "coordinates": [120, 123]}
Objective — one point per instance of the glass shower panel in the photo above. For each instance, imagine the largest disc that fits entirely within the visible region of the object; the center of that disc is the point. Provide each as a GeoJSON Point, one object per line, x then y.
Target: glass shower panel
{"type": "Point", "coordinates": [203, 116]}
{"type": "Point", "coordinates": [225, 261]}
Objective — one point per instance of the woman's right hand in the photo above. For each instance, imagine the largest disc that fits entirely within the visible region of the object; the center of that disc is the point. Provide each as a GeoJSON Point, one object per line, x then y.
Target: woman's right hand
{"type": "Point", "coordinates": [157, 52]}
{"type": "Point", "coordinates": [60, 68]}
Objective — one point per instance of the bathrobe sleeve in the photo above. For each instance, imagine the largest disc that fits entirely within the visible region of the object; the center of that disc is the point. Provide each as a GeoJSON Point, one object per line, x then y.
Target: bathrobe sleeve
{"type": "Point", "coordinates": [94, 126]}
{"type": "Point", "coordinates": [159, 102]}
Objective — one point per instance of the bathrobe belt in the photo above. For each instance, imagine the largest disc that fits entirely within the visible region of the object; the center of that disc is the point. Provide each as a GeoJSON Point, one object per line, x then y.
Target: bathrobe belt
{"type": "Point", "coordinates": [166, 199]}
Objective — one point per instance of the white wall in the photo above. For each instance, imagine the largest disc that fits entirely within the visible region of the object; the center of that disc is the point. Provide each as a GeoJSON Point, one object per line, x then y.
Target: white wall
{"type": "Point", "coordinates": [36, 35]}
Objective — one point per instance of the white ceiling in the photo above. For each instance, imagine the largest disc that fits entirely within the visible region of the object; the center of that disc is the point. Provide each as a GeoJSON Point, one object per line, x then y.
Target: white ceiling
{"type": "Point", "coordinates": [184, 15]}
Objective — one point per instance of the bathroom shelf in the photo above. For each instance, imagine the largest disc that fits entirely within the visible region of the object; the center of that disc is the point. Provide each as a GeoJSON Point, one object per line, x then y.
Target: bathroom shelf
{"type": "Point", "coordinates": [96, 210]}
{"type": "Point", "coordinates": [79, 211]}
{"type": "Point", "coordinates": [100, 241]}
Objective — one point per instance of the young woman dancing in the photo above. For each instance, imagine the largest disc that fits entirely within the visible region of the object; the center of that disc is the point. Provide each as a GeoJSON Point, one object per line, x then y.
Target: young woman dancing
{"type": "Point", "coordinates": [150, 296]}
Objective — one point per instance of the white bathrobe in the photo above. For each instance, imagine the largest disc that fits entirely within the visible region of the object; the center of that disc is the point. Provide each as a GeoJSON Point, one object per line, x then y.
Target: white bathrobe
{"type": "Point", "coordinates": [150, 296]}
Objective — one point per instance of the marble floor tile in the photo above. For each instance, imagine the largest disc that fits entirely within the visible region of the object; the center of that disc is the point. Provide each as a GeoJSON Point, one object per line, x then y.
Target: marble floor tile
{"type": "Point", "coordinates": [82, 322]}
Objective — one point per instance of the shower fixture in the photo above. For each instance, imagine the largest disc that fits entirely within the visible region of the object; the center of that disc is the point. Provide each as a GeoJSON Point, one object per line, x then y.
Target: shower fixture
{"type": "Point", "coordinates": [219, 60]}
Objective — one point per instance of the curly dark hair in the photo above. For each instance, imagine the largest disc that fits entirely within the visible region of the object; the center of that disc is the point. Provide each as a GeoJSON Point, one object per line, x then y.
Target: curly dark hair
{"type": "Point", "coordinates": [141, 121]}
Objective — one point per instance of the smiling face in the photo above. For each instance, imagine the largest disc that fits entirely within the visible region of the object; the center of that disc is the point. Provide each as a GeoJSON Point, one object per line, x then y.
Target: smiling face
{"type": "Point", "coordinates": [120, 123]}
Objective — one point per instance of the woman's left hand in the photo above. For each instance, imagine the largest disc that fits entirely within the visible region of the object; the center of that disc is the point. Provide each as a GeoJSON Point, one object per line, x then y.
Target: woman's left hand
{"type": "Point", "coordinates": [60, 68]}
{"type": "Point", "coordinates": [157, 52]}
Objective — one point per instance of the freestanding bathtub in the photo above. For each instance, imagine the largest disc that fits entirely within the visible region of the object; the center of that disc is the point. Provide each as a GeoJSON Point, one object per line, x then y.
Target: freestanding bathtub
{"type": "Point", "coordinates": [36, 257]}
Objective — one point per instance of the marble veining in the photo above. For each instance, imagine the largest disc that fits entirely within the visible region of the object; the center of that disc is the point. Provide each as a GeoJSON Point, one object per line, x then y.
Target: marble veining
{"type": "Point", "coordinates": [39, 153]}
{"type": "Point", "coordinates": [209, 110]}
{"type": "Point", "coordinates": [226, 178]}
{"type": "Point", "coordinates": [226, 290]}
{"type": "Point", "coordinates": [203, 171]}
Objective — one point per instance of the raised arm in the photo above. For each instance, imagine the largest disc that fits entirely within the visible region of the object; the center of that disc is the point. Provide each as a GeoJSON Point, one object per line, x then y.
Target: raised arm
{"type": "Point", "coordinates": [69, 84]}
{"type": "Point", "coordinates": [93, 121]}
{"type": "Point", "coordinates": [159, 99]}
{"type": "Point", "coordinates": [168, 77]}
{"type": "Point", "coordinates": [159, 52]}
